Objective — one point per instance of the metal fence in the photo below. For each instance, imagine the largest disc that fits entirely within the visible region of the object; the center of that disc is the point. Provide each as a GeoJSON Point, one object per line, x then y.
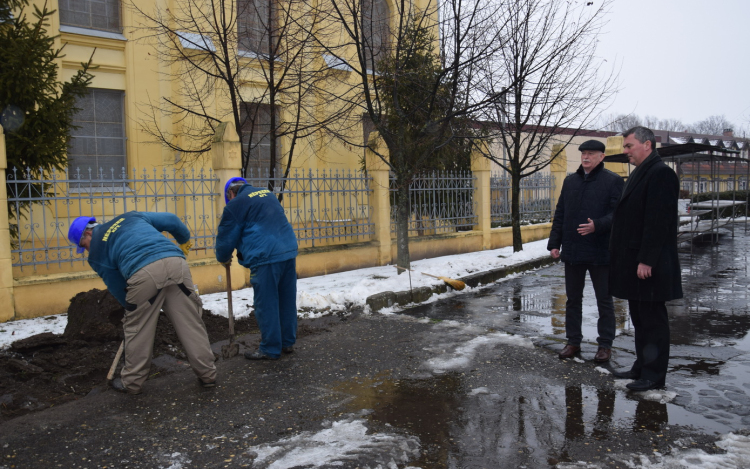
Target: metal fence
{"type": "Point", "coordinates": [324, 207]}
{"type": "Point", "coordinates": [43, 204]}
{"type": "Point", "coordinates": [535, 199]}
{"type": "Point", "coordinates": [439, 202]}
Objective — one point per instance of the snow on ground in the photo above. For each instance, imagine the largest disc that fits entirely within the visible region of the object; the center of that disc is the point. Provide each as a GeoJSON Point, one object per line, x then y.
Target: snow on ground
{"type": "Point", "coordinates": [319, 295]}
{"type": "Point", "coordinates": [345, 441]}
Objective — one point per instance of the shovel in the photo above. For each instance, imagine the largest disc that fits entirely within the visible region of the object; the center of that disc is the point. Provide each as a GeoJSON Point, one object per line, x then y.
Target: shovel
{"type": "Point", "coordinates": [232, 349]}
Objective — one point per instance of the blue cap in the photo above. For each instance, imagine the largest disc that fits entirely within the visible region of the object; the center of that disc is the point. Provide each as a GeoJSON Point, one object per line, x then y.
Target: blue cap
{"type": "Point", "coordinates": [229, 183]}
{"type": "Point", "coordinates": [76, 231]}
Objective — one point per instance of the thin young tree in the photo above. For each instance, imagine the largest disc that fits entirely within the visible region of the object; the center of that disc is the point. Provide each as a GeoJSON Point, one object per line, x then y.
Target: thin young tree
{"type": "Point", "coordinates": [409, 74]}
{"type": "Point", "coordinates": [552, 80]}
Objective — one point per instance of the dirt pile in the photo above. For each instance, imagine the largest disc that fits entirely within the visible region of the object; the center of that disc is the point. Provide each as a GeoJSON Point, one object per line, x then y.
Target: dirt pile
{"type": "Point", "coordinates": [48, 369]}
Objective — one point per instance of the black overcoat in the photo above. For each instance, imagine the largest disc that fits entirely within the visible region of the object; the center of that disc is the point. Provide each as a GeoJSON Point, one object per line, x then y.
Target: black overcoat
{"type": "Point", "coordinates": [581, 198]}
{"type": "Point", "coordinates": [644, 230]}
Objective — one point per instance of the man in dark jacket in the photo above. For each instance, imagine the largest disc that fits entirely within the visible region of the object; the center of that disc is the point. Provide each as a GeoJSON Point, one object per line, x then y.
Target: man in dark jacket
{"type": "Point", "coordinates": [581, 226]}
{"type": "Point", "coordinates": [146, 272]}
{"type": "Point", "coordinates": [644, 268]}
{"type": "Point", "coordinates": [254, 223]}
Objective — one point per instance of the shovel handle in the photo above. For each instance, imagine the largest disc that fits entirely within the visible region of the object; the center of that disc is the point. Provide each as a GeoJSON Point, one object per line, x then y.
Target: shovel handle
{"type": "Point", "coordinates": [230, 313]}
{"type": "Point", "coordinates": [112, 369]}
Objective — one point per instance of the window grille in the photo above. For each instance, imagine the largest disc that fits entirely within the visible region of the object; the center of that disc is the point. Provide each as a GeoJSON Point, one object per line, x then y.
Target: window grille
{"type": "Point", "coordinates": [91, 14]}
{"type": "Point", "coordinates": [98, 142]}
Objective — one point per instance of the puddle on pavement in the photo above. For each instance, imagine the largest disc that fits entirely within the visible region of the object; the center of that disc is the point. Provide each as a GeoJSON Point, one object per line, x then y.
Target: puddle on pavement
{"type": "Point", "coordinates": [464, 428]}
{"type": "Point", "coordinates": [710, 368]}
{"type": "Point", "coordinates": [426, 408]}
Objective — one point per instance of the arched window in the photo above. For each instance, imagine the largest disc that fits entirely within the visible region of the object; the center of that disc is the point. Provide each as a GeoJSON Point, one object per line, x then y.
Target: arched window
{"type": "Point", "coordinates": [375, 31]}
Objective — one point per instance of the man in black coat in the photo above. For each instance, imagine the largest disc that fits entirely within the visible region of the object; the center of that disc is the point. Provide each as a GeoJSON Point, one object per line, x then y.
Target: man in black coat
{"type": "Point", "coordinates": [644, 267]}
{"type": "Point", "coordinates": [581, 225]}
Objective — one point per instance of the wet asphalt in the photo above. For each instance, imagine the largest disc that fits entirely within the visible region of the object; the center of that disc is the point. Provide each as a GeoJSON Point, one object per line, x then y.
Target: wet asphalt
{"type": "Point", "coordinates": [470, 381]}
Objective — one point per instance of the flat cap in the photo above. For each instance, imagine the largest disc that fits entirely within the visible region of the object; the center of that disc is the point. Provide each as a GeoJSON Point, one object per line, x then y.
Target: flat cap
{"type": "Point", "coordinates": [592, 145]}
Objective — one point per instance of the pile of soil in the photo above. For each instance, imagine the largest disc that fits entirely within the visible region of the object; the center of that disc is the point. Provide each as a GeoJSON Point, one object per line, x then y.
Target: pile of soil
{"type": "Point", "coordinates": [49, 369]}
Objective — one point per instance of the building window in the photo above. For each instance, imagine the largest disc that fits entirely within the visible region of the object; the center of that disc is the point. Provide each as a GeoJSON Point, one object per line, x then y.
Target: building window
{"type": "Point", "coordinates": [703, 185]}
{"type": "Point", "coordinates": [98, 142]}
{"type": "Point", "coordinates": [256, 141]}
{"type": "Point", "coordinates": [375, 31]}
{"type": "Point", "coordinates": [91, 14]}
{"type": "Point", "coordinates": [254, 26]}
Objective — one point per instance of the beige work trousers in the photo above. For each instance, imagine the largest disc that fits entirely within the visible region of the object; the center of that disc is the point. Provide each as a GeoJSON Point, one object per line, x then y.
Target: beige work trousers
{"type": "Point", "coordinates": [158, 286]}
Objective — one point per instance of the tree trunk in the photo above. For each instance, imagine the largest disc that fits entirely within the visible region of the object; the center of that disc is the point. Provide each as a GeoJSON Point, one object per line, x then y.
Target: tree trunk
{"type": "Point", "coordinates": [515, 210]}
{"type": "Point", "coordinates": [402, 225]}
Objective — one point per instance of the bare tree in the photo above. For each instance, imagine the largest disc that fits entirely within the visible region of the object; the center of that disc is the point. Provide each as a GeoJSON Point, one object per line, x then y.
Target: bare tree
{"type": "Point", "coordinates": [553, 80]}
{"type": "Point", "coordinates": [409, 75]}
{"type": "Point", "coordinates": [712, 125]}
{"type": "Point", "coordinates": [249, 62]}
{"type": "Point", "coordinates": [619, 122]}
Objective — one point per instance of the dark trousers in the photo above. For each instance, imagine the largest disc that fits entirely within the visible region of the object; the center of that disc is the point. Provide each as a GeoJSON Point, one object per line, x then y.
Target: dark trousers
{"type": "Point", "coordinates": [275, 298]}
{"type": "Point", "coordinates": [575, 278]}
{"type": "Point", "coordinates": [651, 325]}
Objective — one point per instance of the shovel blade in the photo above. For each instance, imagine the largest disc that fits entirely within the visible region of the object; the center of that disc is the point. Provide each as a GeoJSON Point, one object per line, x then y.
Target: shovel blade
{"type": "Point", "coordinates": [229, 351]}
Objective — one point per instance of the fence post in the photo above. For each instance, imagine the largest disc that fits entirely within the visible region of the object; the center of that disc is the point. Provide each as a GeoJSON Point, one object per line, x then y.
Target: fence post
{"type": "Point", "coordinates": [559, 170]}
{"type": "Point", "coordinates": [226, 156]}
{"type": "Point", "coordinates": [480, 167]}
{"type": "Point", "coordinates": [378, 170]}
{"type": "Point", "coordinates": [7, 307]}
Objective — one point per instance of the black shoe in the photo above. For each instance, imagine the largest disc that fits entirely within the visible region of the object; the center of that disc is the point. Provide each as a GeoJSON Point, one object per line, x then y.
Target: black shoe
{"type": "Point", "coordinates": [625, 374]}
{"type": "Point", "coordinates": [644, 385]}
{"type": "Point", "coordinates": [119, 387]}
{"type": "Point", "coordinates": [289, 349]}
{"type": "Point", "coordinates": [258, 355]}
{"type": "Point", "coordinates": [207, 384]}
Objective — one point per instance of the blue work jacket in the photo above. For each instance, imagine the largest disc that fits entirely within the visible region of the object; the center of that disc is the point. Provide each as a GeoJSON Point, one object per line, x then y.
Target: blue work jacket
{"type": "Point", "coordinates": [126, 244]}
{"type": "Point", "coordinates": [254, 223]}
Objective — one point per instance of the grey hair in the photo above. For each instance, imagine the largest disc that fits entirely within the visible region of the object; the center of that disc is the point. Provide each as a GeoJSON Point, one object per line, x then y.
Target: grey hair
{"type": "Point", "coordinates": [235, 186]}
{"type": "Point", "coordinates": [642, 134]}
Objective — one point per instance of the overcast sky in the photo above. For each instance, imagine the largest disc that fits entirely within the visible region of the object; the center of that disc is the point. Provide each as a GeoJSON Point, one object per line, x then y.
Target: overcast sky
{"type": "Point", "coordinates": [682, 59]}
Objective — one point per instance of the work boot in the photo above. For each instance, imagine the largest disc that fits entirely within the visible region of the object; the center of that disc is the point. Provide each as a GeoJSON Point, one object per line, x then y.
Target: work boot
{"type": "Point", "coordinates": [289, 349]}
{"type": "Point", "coordinates": [207, 384]}
{"type": "Point", "coordinates": [258, 355]}
{"type": "Point", "coordinates": [119, 387]}
{"type": "Point", "coordinates": [569, 351]}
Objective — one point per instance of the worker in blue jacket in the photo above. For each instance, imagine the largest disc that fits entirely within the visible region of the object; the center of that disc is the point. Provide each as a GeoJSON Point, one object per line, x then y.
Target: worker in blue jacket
{"type": "Point", "coordinates": [254, 223]}
{"type": "Point", "coordinates": [146, 272]}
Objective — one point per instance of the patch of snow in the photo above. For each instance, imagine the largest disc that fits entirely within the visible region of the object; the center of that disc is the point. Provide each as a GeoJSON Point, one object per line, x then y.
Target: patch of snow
{"type": "Point", "coordinates": [603, 371]}
{"type": "Point", "coordinates": [463, 354]}
{"type": "Point", "coordinates": [658, 395]}
{"type": "Point", "coordinates": [346, 441]}
{"type": "Point", "coordinates": [737, 455]}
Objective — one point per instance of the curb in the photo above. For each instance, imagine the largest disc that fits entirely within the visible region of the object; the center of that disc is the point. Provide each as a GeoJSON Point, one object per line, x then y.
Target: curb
{"type": "Point", "coordinates": [387, 299]}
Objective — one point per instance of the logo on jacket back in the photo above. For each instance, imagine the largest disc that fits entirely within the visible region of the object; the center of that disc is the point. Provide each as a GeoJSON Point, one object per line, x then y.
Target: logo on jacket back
{"type": "Point", "coordinates": [260, 193]}
{"type": "Point", "coordinates": [115, 226]}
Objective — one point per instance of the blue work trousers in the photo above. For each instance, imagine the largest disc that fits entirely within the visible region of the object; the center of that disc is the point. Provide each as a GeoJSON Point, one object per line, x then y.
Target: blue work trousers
{"type": "Point", "coordinates": [275, 297]}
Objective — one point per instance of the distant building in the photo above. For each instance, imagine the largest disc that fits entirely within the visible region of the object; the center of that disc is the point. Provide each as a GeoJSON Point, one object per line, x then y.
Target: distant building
{"type": "Point", "coordinates": [707, 175]}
